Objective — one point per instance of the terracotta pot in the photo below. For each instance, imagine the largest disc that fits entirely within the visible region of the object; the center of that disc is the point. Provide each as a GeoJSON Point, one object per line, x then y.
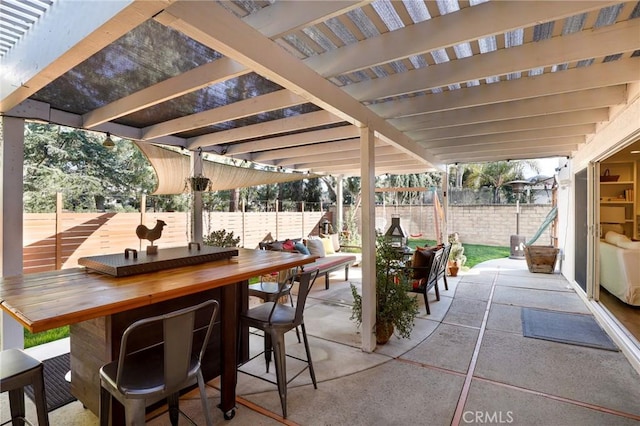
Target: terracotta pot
{"type": "Point", "coordinates": [453, 269]}
{"type": "Point", "coordinates": [384, 331]}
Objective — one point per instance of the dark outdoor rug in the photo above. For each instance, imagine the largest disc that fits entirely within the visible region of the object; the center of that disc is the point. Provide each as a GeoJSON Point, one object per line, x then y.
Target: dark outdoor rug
{"type": "Point", "coordinates": [573, 329]}
{"type": "Point", "coordinates": [57, 389]}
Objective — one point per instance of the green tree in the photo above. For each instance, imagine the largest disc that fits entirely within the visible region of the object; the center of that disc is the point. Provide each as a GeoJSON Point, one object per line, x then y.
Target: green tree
{"type": "Point", "coordinates": [266, 195]}
{"type": "Point", "coordinates": [496, 175]}
{"type": "Point", "coordinates": [312, 190]}
{"type": "Point", "coordinates": [74, 162]}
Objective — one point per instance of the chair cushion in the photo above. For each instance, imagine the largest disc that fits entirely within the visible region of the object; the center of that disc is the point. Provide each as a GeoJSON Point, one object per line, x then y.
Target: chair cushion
{"type": "Point", "coordinates": [421, 261]}
{"type": "Point", "coordinates": [330, 263]}
{"type": "Point", "coordinates": [417, 283]}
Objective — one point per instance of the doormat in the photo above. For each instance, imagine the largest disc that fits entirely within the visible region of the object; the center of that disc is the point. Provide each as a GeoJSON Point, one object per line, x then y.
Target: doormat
{"type": "Point", "coordinates": [56, 388]}
{"type": "Point", "coordinates": [563, 327]}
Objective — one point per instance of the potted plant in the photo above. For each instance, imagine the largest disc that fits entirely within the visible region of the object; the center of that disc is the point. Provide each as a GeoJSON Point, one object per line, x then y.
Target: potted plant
{"type": "Point", "coordinates": [457, 259]}
{"type": "Point", "coordinates": [395, 307]}
{"type": "Point", "coordinates": [199, 183]}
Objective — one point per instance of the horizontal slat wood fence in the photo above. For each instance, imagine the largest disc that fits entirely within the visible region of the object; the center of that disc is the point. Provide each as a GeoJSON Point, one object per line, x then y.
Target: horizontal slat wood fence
{"type": "Point", "coordinates": [56, 241]}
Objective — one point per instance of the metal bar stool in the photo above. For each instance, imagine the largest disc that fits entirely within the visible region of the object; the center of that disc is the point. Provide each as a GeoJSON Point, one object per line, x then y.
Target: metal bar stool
{"type": "Point", "coordinates": [275, 319]}
{"type": "Point", "coordinates": [17, 370]}
{"type": "Point", "coordinates": [142, 376]}
{"type": "Point", "coordinates": [269, 291]}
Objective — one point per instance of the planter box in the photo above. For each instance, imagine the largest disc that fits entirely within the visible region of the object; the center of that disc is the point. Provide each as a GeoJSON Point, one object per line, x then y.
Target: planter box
{"type": "Point", "coordinates": [541, 258]}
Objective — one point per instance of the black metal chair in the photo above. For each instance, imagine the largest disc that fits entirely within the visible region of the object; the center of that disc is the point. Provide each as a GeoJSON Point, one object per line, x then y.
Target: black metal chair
{"type": "Point", "coordinates": [275, 319]}
{"type": "Point", "coordinates": [17, 370]}
{"type": "Point", "coordinates": [425, 277]}
{"type": "Point", "coordinates": [442, 269]}
{"type": "Point", "coordinates": [272, 291]}
{"type": "Point", "coordinates": [143, 376]}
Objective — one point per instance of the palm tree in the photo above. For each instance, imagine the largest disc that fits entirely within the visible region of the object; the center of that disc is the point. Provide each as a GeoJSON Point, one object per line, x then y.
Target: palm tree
{"type": "Point", "coordinates": [496, 175]}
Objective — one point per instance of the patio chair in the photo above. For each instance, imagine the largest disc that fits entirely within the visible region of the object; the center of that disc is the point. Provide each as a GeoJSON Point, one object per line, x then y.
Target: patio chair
{"type": "Point", "coordinates": [442, 268]}
{"type": "Point", "coordinates": [17, 370]}
{"type": "Point", "coordinates": [143, 376]}
{"type": "Point", "coordinates": [272, 291]}
{"type": "Point", "coordinates": [275, 319]}
{"type": "Point", "coordinates": [423, 274]}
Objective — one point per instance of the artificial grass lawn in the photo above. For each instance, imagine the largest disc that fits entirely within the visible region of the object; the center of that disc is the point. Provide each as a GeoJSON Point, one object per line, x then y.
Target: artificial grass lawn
{"type": "Point", "coordinates": [475, 254]}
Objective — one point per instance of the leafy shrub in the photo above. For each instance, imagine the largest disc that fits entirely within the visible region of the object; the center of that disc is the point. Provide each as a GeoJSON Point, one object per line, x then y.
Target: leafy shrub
{"type": "Point", "coordinates": [221, 238]}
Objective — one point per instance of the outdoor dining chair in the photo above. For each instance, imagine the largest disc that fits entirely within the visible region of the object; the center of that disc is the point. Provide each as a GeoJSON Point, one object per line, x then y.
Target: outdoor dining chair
{"type": "Point", "coordinates": [276, 319]}
{"type": "Point", "coordinates": [272, 291]}
{"type": "Point", "coordinates": [423, 274]}
{"type": "Point", "coordinates": [140, 377]}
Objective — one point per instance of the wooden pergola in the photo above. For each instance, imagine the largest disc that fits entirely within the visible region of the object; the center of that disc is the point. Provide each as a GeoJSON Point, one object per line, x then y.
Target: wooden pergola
{"type": "Point", "coordinates": [348, 88]}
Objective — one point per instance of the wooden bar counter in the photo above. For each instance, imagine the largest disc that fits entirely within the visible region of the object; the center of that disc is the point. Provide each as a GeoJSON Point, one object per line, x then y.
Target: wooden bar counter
{"type": "Point", "coordinates": [99, 307]}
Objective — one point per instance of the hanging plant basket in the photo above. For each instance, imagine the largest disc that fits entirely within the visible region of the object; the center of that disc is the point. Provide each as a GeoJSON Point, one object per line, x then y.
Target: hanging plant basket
{"type": "Point", "coordinates": [199, 183]}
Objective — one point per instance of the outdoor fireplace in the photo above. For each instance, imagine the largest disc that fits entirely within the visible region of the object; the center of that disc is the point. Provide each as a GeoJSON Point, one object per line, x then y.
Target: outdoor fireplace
{"type": "Point", "coordinates": [396, 235]}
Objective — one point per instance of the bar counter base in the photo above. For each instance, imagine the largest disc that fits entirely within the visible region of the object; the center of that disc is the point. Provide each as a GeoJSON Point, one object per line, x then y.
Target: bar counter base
{"type": "Point", "coordinates": [97, 342]}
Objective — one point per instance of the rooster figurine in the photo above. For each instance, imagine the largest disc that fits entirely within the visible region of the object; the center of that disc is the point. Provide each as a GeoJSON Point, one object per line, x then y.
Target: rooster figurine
{"type": "Point", "coordinates": [145, 233]}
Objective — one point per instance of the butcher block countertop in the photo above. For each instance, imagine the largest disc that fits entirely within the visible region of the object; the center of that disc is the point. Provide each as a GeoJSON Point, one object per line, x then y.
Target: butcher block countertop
{"type": "Point", "coordinates": [49, 300]}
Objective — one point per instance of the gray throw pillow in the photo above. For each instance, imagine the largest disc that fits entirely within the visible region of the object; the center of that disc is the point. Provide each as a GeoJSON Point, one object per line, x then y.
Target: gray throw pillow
{"type": "Point", "coordinates": [316, 248]}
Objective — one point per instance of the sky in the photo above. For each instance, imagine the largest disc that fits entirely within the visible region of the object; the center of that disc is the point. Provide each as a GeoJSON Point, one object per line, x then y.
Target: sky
{"type": "Point", "coordinates": [547, 167]}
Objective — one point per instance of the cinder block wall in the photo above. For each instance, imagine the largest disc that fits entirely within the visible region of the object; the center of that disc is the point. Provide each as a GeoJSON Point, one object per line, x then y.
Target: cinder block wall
{"type": "Point", "coordinates": [476, 224]}
{"type": "Point", "coordinates": [494, 224]}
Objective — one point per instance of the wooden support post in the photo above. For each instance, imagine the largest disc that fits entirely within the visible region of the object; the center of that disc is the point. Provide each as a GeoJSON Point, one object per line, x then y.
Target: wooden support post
{"type": "Point", "coordinates": [58, 230]}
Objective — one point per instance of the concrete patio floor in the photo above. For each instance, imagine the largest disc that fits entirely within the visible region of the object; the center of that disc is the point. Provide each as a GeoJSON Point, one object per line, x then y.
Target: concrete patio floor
{"type": "Point", "coordinates": [466, 363]}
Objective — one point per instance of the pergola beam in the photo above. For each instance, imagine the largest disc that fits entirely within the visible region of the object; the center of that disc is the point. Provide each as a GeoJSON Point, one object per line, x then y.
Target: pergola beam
{"type": "Point", "coordinates": [576, 79]}
{"type": "Point", "coordinates": [283, 125]}
{"type": "Point", "coordinates": [614, 39]}
{"type": "Point", "coordinates": [527, 138]}
{"type": "Point", "coordinates": [382, 153]}
{"type": "Point", "coordinates": [213, 26]}
{"type": "Point", "coordinates": [545, 143]}
{"type": "Point", "coordinates": [315, 149]}
{"type": "Point", "coordinates": [219, 70]}
{"type": "Point", "coordinates": [233, 111]}
{"type": "Point", "coordinates": [468, 24]}
{"type": "Point", "coordinates": [575, 101]}
{"type": "Point", "coordinates": [282, 18]}
{"type": "Point", "coordinates": [260, 147]}
{"type": "Point", "coordinates": [498, 129]}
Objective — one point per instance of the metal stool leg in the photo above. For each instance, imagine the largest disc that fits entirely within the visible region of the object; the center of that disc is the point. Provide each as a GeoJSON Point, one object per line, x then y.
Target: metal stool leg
{"type": "Point", "coordinates": [280, 358]}
{"type": "Point", "coordinates": [40, 396]}
{"type": "Point", "coordinates": [16, 406]}
{"type": "Point", "coordinates": [105, 406]}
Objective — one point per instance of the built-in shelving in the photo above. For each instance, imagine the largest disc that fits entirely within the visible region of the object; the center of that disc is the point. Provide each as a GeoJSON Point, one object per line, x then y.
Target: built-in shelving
{"type": "Point", "coordinates": [618, 199]}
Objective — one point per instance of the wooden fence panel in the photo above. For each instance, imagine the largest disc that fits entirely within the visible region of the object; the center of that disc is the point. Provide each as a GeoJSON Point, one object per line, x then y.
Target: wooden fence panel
{"type": "Point", "coordinates": [39, 242]}
{"type": "Point", "coordinates": [178, 229]}
{"type": "Point", "coordinates": [89, 234]}
{"type": "Point", "coordinates": [259, 226]}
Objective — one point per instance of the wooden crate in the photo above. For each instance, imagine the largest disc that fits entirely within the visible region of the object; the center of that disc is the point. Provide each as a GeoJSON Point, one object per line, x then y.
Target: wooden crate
{"type": "Point", "coordinates": [541, 258]}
